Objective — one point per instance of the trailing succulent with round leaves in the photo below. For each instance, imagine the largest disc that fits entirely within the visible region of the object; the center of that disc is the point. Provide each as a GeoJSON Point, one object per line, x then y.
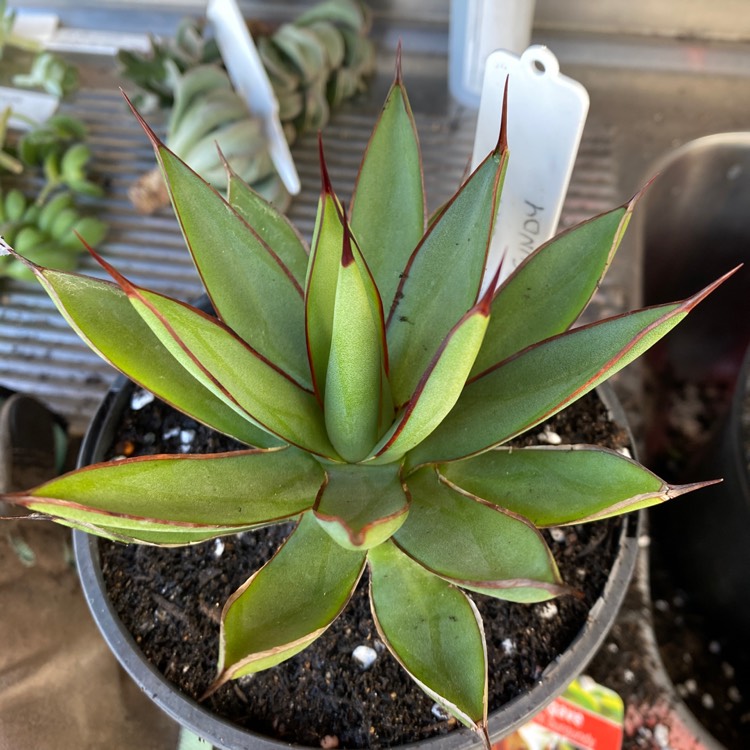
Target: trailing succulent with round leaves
{"type": "Point", "coordinates": [377, 386]}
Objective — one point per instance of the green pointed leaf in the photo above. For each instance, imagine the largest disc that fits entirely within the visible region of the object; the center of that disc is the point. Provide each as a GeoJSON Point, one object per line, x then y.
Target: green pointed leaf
{"type": "Point", "coordinates": [439, 388]}
{"type": "Point", "coordinates": [288, 603]}
{"type": "Point", "coordinates": [475, 545]}
{"type": "Point", "coordinates": [557, 485]}
{"type": "Point", "coordinates": [443, 276]}
{"type": "Point", "coordinates": [101, 314]}
{"type": "Point", "coordinates": [530, 387]}
{"type": "Point", "coordinates": [320, 290]}
{"type": "Point", "coordinates": [271, 226]}
{"type": "Point", "coordinates": [386, 410]}
{"type": "Point", "coordinates": [231, 370]}
{"type": "Point", "coordinates": [352, 409]}
{"type": "Point", "coordinates": [362, 506]}
{"type": "Point", "coordinates": [551, 288]}
{"type": "Point", "coordinates": [181, 499]}
{"type": "Point", "coordinates": [434, 630]}
{"type": "Point", "coordinates": [250, 287]}
{"type": "Point", "coordinates": [390, 185]}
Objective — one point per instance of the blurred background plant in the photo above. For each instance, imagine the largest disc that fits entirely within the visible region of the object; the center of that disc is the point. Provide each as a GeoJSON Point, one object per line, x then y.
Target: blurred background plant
{"type": "Point", "coordinates": [50, 73]}
{"type": "Point", "coordinates": [46, 70]}
{"type": "Point", "coordinates": [314, 64]}
{"type": "Point", "coordinates": [152, 73]}
{"type": "Point", "coordinates": [46, 226]}
{"type": "Point", "coordinates": [8, 38]}
{"type": "Point", "coordinates": [43, 222]}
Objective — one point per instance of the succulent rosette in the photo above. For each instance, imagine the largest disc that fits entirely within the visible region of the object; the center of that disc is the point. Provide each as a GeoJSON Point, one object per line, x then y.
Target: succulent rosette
{"type": "Point", "coordinates": [377, 387]}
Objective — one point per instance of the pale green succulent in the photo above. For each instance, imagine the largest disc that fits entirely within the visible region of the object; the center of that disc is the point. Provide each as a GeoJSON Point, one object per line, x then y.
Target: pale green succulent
{"type": "Point", "coordinates": [51, 73]}
{"type": "Point", "coordinates": [44, 229]}
{"type": "Point", "coordinates": [313, 65]}
{"type": "Point", "coordinates": [378, 387]}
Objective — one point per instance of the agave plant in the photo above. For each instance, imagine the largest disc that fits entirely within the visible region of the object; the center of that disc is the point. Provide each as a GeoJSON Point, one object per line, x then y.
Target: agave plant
{"type": "Point", "coordinates": [377, 387]}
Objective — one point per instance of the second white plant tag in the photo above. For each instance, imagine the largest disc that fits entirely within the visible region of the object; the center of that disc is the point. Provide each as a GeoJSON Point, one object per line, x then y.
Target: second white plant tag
{"type": "Point", "coordinates": [546, 115]}
{"type": "Point", "coordinates": [31, 107]}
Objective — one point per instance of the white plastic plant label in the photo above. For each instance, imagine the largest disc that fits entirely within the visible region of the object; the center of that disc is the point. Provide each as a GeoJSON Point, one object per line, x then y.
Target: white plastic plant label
{"type": "Point", "coordinates": [251, 81]}
{"type": "Point", "coordinates": [35, 26]}
{"type": "Point", "coordinates": [28, 107]}
{"type": "Point", "coordinates": [477, 28]}
{"type": "Point", "coordinates": [546, 115]}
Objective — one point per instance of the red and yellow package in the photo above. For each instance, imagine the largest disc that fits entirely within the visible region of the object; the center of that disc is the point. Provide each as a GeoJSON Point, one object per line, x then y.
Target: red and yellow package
{"type": "Point", "coordinates": [586, 716]}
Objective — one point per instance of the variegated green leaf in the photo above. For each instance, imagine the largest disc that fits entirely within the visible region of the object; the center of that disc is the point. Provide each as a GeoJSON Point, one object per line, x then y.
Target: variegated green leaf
{"type": "Point", "coordinates": [223, 361]}
{"type": "Point", "coordinates": [387, 410]}
{"type": "Point", "coordinates": [361, 506]}
{"type": "Point", "coordinates": [434, 630]}
{"type": "Point", "coordinates": [355, 363]}
{"type": "Point", "coordinates": [552, 286]}
{"type": "Point", "coordinates": [272, 227]}
{"type": "Point", "coordinates": [557, 485]}
{"type": "Point", "coordinates": [250, 287]}
{"type": "Point", "coordinates": [540, 381]}
{"type": "Point", "coordinates": [390, 185]}
{"type": "Point", "coordinates": [181, 499]}
{"type": "Point", "coordinates": [476, 545]}
{"type": "Point", "coordinates": [322, 279]}
{"type": "Point", "coordinates": [230, 369]}
{"type": "Point", "coordinates": [103, 317]}
{"type": "Point", "coordinates": [443, 276]}
{"type": "Point", "coordinates": [440, 385]}
{"type": "Point", "coordinates": [288, 603]}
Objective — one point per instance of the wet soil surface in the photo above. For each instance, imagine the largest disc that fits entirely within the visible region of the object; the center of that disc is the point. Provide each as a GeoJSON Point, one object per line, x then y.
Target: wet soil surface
{"type": "Point", "coordinates": [171, 600]}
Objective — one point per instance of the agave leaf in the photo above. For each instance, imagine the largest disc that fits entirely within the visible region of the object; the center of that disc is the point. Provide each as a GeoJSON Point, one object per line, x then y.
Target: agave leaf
{"type": "Point", "coordinates": [440, 385]}
{"type": "Point", "coordinates": [217, 357]}
{"type": "Point", "coordinates": [434, 630]}
{"type": "Point", "coordinates": [101, 314]}
{"type": "Point", "coordinates": [443, 276]}
{"type": "Point", "coordinates": [387, 409]}
{"type": "Point", "coordinates": [250, 287]}
{"type": "Point", "coordinates": [361, 506]}
{"type": "Point", "coordinates": [322, 279]}
{"type": "Point", "coordinates": [271, 226]}
{"type": "Point", "coordinates": [288, 603]}
{"type": "Point", "coordinates": [558, 485]}
{"type": "Point", "coordinates": [390, 185]}
{"type": "Point", "coordinates": [528, 388]}
{"type": "Point", "coordinates": [552, 286]}
{"type": "Point", "coordinates": [456, 537]}
{"type": "Point", "coordinates": [355, 363]}
{"type": "Point", "coordinates": [230, 369]}
{"type": "Point", "coordinates": [181, 499]}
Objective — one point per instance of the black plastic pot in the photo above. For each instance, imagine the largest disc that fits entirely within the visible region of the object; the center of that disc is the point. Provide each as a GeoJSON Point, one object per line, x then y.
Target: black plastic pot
{"type": "Point", "coordinates": [706, 535]}
{"type": "Point", "coordinates": [693, 225]}
{"type": "Point", "coordinates": [227, 736]}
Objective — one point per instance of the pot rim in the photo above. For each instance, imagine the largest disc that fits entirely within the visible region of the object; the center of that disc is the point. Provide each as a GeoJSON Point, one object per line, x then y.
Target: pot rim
{"type": "Point", "coordinates": [228, 736]}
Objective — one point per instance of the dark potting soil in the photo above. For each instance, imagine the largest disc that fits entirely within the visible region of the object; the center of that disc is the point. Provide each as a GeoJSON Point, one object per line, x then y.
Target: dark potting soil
{"type": "Point", "coordinates": [171, 601]}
